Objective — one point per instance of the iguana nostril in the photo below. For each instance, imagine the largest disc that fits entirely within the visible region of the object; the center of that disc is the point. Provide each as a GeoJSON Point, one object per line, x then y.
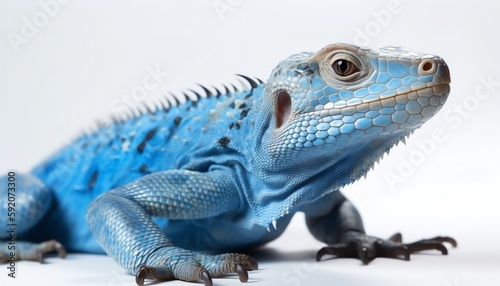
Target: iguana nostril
{"type": "Point", "coordinates": [427, 67]}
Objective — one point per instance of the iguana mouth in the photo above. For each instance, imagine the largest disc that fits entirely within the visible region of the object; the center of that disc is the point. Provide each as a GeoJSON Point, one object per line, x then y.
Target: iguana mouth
{"type": "Point", "coordinates": [436, 90]}
{"type": "Point", "coordinates": [430, 91]}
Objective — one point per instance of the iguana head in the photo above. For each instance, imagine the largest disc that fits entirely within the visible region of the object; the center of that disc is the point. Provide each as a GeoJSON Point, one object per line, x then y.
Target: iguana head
{"type": "Point", "coordinates": [345, 96]}
{"type": "Point", "coordinates": [327, 117]}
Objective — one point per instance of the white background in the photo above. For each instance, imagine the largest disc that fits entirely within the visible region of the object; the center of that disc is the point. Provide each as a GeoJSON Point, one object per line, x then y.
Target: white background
{"type": "Point", "coordinates": [84, 59]}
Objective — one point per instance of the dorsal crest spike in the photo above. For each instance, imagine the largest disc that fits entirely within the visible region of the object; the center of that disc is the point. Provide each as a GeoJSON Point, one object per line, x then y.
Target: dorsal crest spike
{"type": "Point", "coordinates": [243, 84]}
{"type": "Point", "coordinates": [142, 108]}
{"type": "Point", "coordinates": [187, 98]}
{"type": "Point", "coordinates": [165, 103]}
{"type": "Point", "coordinates": [148, 108]}
{"type": "Point", "coordinates": [235, 88]}
{"type": "Point", "coordinates": [136, 112]}
{"type": "Point", "coordinates": [174, 98]}
{"type": "Point", "coordinates": [259, 80]}
{"type": "Point", "coordinates": [226, 89]}
{"type": "Point", "coordinates": [218, 92]}
{"type": "Point", "coordinates": [125, 114]}
{"type": "Point", "coordinates": [252, 82]}
{"type": "Point", "coordinates": [157, 105]}
{"type": "Point", "coordinates": [198, 96]}
{"type": "Point", "coordinates": [208, 93]}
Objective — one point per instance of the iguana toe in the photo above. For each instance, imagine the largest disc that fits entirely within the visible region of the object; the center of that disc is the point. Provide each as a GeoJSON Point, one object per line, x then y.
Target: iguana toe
{"type": "Point", "coordinates": [242, 273]}
{"type": "Point", "coordinates": [431, 244]}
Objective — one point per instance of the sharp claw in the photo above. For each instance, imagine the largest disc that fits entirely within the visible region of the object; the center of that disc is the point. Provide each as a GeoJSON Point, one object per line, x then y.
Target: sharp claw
{"type": "Point", "coordinates": [322, 252]}
{"type": "Point", "coordinates": [448, 239]}
{"type": "Point", "coordinates": [319, 254]}
{"type": "Point", "coordinates": [140, 276]}
{"type": "Point", "coordinates": [252, 263]}
{"type": "Point", "coordinates": [39, 255]}
{"type": "Point", "coordinates": [61, 251]}
{"type": "Point", "coordinates": [442, 248]}
{"type": "Point", "coordinates": [242, 273]}
{"type": "Point", "coordinates": [452, 241]}
{"type": "Point", "coordinates": [206, 278]}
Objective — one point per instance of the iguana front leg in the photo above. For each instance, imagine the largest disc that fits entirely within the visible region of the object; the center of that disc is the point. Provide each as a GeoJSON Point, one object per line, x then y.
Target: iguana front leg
{"type": "Point", "coordinates": [342, 229]}
{"type": "Point", "coordinates": [122, 224]}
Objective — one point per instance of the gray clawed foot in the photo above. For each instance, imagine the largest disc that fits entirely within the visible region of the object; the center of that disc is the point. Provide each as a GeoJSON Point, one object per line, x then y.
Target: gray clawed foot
{"type": "Point", "coordinates": [199, 267]}
{"type": "Point", "coordinates": [35, 251]}
{"type": "Point", "coordinates": [367, 248]}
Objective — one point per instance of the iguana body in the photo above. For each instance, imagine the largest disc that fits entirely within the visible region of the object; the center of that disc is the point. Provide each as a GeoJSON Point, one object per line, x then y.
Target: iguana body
{"type": "Point", "coordinates": [226, 172]}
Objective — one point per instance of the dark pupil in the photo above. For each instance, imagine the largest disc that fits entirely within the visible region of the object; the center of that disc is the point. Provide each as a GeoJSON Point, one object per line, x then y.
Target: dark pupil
{"type": "Point", "coordinates": [343, 66]}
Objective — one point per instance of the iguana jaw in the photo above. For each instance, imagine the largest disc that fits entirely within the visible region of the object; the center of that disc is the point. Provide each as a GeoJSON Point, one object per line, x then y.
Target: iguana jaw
{"type": "Point", "coordinates": [440, 90]}
{"type": "Point", "coordinates": [437, 90]}
{"type": "Point", "coordinates": [429, 98]}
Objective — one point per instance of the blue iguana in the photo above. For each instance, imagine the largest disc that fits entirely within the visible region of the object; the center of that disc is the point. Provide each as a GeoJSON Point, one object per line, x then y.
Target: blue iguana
{"type": "Point", "coordinates": [226, 172]}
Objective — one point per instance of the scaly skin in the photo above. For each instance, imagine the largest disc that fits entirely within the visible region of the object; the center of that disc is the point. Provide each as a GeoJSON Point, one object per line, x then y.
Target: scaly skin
{"type": "Point", "coordinates": [228, 171]}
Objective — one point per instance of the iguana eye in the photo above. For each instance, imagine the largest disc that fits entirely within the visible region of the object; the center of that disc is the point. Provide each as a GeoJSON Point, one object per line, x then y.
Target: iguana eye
{"type": "Point", "coordinates": [344, 67]}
